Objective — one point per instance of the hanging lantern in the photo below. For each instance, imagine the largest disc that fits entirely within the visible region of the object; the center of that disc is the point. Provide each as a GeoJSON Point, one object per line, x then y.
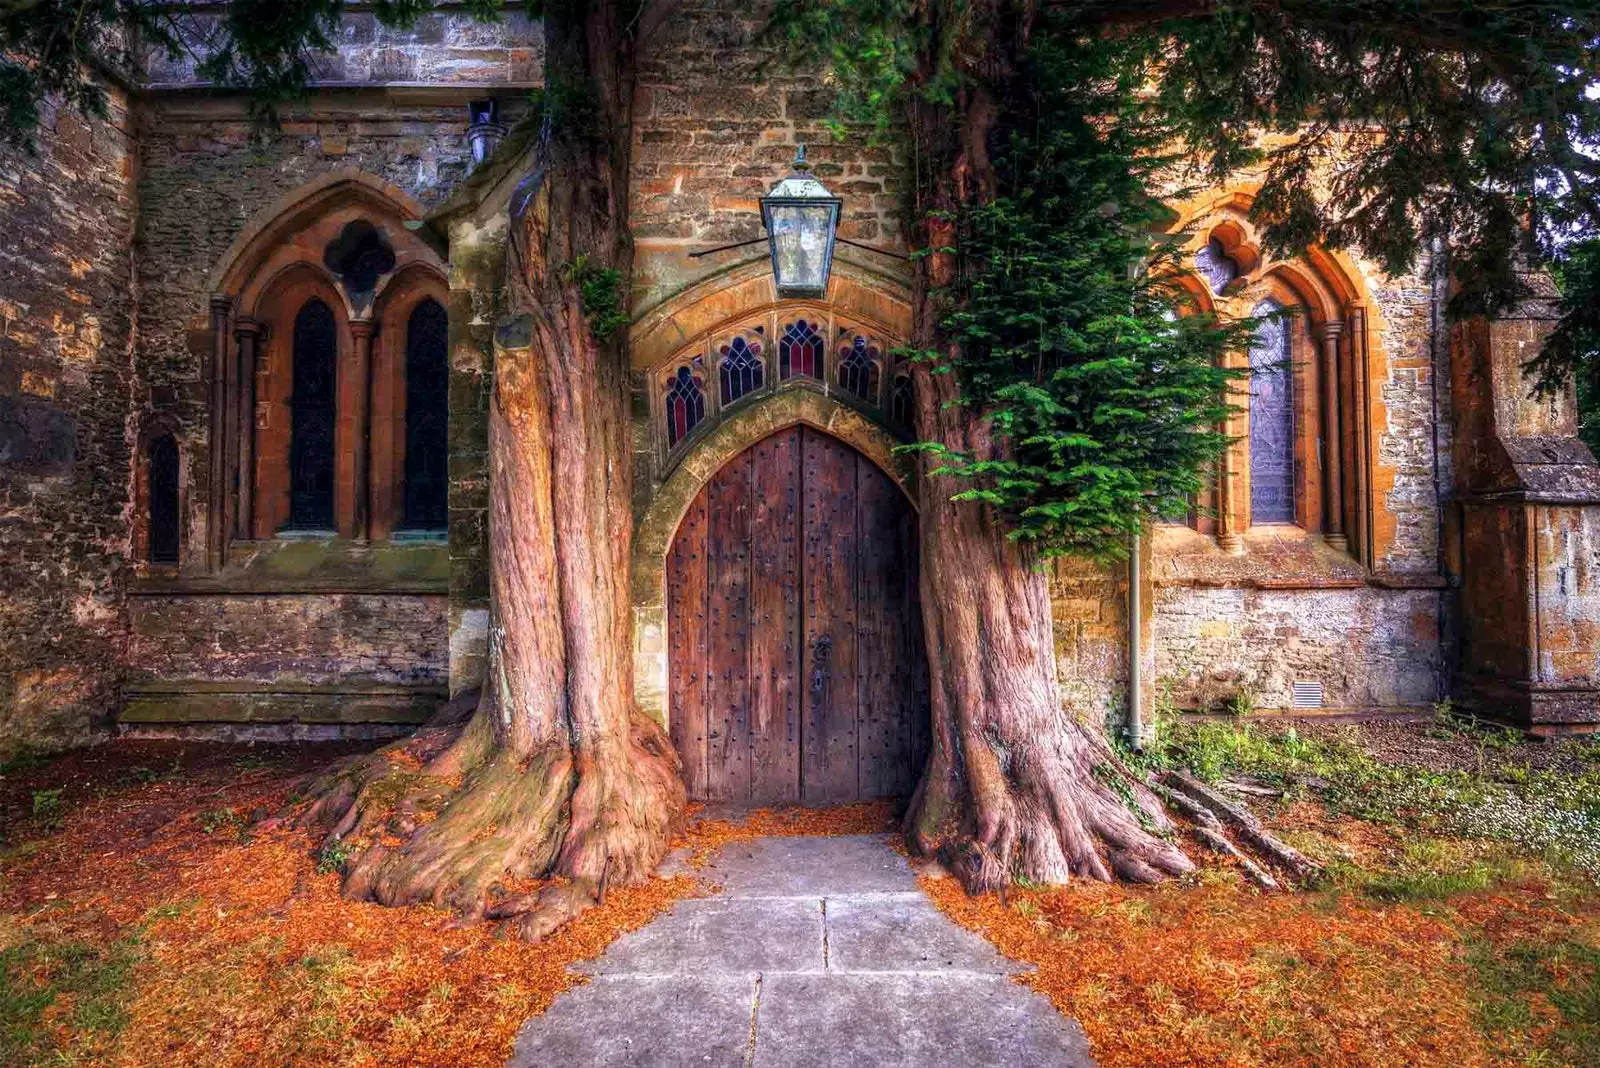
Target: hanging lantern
{"type": "Point", "coordinates": [802, 219]}
{"type": "Point", "coordinates": [486, 131]}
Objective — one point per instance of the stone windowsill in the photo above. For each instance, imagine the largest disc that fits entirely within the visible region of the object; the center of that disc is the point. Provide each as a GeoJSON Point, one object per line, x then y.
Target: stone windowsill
{"type": "Point", "coordinates": [1274, 558]}
{"type": "Point", "coordinates": [411, 562]}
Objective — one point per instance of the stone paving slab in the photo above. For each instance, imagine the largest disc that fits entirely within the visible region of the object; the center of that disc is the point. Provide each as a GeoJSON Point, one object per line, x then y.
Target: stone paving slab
{"type": "Point", "coordinates": [744, 935]}
{"type": "Point", "coordinates": [905, 933]}
{"type": "Point", "coordinates": [810, 867]}
{"type": "Point", "coordinates": [932, 1020]}
{"type": "Point", "coordinates": [675, 1021]}
{"type": "Point", "coordinates": [817, 953]}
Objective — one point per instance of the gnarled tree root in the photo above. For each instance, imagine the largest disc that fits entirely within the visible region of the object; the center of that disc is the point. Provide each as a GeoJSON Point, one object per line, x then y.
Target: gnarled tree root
{"type": "Point", "coordinates": [449, 818]}
{"type": "Point", "coordinates": [1197, 796]}
{"type": "Point", "coordinates": [1045, 817]}
{"type": "Point", "coordinates": [1048, 819]}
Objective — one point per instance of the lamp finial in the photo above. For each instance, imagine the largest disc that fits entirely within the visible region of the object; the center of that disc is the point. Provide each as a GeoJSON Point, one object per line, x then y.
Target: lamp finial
{"type": "Point", "coordinates": [800, 163]}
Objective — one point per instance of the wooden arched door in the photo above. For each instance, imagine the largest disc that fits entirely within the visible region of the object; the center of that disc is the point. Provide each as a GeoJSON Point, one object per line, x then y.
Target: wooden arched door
{"type": "Point", "coordinates": [798, 670]}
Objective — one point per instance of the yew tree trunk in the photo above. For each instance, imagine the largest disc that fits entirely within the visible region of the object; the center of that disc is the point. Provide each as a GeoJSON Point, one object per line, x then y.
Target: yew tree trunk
{"type": "Point", "coordinates": [557, 773]}
{"type": "Point", "coordinates": [1015, 786]}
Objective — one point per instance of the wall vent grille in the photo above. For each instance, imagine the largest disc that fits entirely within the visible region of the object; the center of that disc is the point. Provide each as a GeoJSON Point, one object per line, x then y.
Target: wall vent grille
{"type": "Point", "coordinates": [1308, 695]}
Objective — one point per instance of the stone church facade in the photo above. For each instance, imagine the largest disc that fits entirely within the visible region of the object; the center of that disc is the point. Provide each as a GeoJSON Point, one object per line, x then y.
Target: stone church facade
{"type": "Point", "coordinates": [243, 432]}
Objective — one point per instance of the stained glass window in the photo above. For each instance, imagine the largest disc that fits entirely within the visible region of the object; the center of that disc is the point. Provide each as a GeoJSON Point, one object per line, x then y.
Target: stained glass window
{"type": "Point", "coordinates": [858, 369]}
{"type": "Point", "coordinates": [903, 401]}
{"type": "Point", "coordinates": [311, 415]}
{"type": "Point", "coordinates": [1271, 419]}
{"type": "Point", "coordinates": [427, 439]}
{"type": "Point", "coordinates": [163, 456]}
{"type": "Point", "coordinates": [742, 370]}
{"type": "Point", "coordinates": [800, 350]}
{"type": "Point", "coordinates": [685, 404]}
{"type": "Point", "coordinates": [1215, 265]}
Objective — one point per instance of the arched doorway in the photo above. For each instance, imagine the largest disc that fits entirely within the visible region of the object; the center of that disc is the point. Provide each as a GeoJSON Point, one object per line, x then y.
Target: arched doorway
{"type": "Point", "coordinates": [797, 669]}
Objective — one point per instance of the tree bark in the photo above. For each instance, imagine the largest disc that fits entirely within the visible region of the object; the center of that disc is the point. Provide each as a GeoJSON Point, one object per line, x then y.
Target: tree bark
{"type": "Point", "coordinates": [557, 774]}
{"type": "Point", "coordinates": [1015, 787]}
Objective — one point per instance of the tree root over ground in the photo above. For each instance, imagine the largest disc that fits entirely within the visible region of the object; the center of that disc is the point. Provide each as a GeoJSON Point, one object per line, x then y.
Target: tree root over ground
{"type": "Point", "coordinates": [1044, 825]}
{"type": "Point", "coordinates": [446, 817]}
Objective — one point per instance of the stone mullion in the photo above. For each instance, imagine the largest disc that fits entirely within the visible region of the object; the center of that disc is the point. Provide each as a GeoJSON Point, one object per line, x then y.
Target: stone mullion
{"type": "Point", "coordinates": [248, 335]}
{"type": "Point", "coordinates": [1356, 316]}
{"type": "Point", "coordinates": [1332, 476]}
{"type": "Point", "coordinates": [361, 330]}
{"type": "Point", "coordinates": [216, 532]}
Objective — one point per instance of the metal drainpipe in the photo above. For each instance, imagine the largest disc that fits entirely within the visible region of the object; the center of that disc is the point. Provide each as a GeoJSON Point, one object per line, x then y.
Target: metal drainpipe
{"type": "Point", "coordinates": [1135, 654]}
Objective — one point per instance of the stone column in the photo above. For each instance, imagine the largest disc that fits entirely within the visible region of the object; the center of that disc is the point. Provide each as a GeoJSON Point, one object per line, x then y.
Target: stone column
{"type": "Point", "coordinates": [361, 418]}
{"type": "Point", "coordinates": [1228, 536]}
{"type": "Point", "coordinates": [216, 497]}
{"type": "Point", "coordinates": [247, 332]}
{"type": "Point", "coordinates": [1332, 497]}
{"type": "Point", "coordinates": [1529, 534]}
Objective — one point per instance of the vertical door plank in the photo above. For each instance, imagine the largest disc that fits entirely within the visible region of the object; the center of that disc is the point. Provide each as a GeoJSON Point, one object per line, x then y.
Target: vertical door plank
{"type": "Point", "coordinates": [728, 633]}
{"type": "Point", "coordinates": [828, 650]}
{"type": "Point", "coordinates": [775, 618]}
{"type": "Point", "coordinates": [686, 644]}
{"type": "Point", "coordinates": [883, 675]}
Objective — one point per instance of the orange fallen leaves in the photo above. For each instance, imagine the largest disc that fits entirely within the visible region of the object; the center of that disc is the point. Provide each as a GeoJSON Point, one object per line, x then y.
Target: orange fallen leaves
{"type": "Point", "coordinates": [1219, 973]}
{"type": "Point", "coordinates": [252, 958]}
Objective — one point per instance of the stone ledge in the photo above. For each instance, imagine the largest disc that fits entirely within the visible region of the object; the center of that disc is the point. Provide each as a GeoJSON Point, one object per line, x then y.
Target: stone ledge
{"type": "Point", "coordinates": [190, 707]}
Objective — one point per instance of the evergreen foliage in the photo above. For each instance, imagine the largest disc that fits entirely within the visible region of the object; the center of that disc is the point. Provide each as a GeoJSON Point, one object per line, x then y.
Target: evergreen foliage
{"type": "Point", "coordinates": [1071, 332]}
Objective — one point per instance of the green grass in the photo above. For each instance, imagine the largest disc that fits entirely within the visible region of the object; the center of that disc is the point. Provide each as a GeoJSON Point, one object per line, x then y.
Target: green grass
{"type": "Point", "coordinates": [40, 970]}
{"type": "Point", "coordinates": [1554, 815]}
{"type": "Point", "coordinates": [1511, 980]}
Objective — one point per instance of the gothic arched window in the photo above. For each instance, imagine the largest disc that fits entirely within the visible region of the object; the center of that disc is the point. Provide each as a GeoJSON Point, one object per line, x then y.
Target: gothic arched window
{"type": "Point", "coordinates": [1271, 418]}
{"type": "Point", "coordinates": [742, 370]}
{"type": "Point", "coordinates": [311, 407]}
{"type": "Point", "coordinates": [903, 401]}
{"type": "Point", "coordinates": [800, 350]}
{"type": "Point", "coordinates": [685, 404]}
{"type": "Point", "coordinates": [427, 418]}
{"type": "Point", "coordinates": [162, 456]}
{"type": "Point", "coordinates": [858, 369]}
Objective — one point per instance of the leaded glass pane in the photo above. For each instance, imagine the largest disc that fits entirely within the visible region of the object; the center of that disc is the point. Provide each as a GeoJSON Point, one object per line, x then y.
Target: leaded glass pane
{"type": "Point", "coordinates": [858, 369]}
{"type": "Point", "coordinates": [1271, 419]}
{"type": "Point", "coordinates": [685, 404]}
{"type": "Point", "coordinates": [427, 418]}
{"type": "Point", "coordinates": [742, 370]}
{"type": "Point", "coordinates": [311, 414]}
{"type": "Point", "coordinates": [800, 350]}
{"type": "Point", "coordinates": [1215, 265]}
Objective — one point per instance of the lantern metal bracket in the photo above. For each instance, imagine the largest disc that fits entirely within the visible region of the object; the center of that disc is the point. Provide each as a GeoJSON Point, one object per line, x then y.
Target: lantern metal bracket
{"type": "Point", "coordinates": [763, 238]}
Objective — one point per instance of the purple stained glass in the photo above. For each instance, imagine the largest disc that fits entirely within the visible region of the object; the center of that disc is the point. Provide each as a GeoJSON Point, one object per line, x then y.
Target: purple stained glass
{"type": "Point", "coordinates": [685, 403]}
{"type": "Point", "coordinates": [1214, 264]}
{"type": "Point", "coordinates": [800, 350]}
{"type": "Point", "coordinates": [742, 370]}
{"type": "Point", "coordinates": [858, 369]}
{"type": "Point", "coordinates": [1271, 419]}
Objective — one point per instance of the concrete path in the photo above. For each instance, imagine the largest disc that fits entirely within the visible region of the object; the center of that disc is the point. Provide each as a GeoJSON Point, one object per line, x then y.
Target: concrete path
{"type": "Point", "coordinates": [817, 953]}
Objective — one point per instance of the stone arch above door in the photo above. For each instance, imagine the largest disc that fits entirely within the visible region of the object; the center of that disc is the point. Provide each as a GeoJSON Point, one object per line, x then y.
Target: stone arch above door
{"type": "Point", "coordinates": [654, 533]}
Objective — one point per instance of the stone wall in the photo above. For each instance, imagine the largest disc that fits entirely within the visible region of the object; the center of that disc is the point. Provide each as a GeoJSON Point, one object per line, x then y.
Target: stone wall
{"type": "Point", "coordinates": [1368, 648]}
{"type": "Point", "coordinates": [716, 122]}
{"type": "Point", "coordinates": [67, 397]}
{"type": "Point", "coordinates": [445, 47]}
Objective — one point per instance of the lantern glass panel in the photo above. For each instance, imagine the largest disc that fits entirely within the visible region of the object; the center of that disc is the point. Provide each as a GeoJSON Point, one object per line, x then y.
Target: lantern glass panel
{"type": "Point", "coordinates": [802, 240]}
